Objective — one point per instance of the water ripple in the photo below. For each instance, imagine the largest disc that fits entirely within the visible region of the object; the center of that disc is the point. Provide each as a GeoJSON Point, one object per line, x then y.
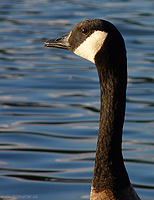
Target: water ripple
{"type": "Point", "coordinates": [49, 99]}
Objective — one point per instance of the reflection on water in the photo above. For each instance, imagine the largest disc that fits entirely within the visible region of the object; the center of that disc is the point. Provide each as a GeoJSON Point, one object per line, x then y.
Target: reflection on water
{"type": "Point", "coordinates": [49, 99]}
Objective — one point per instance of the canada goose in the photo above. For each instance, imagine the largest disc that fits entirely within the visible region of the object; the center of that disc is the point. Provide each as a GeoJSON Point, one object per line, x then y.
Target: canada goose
{"type": "Point", "coordinates": [100, 42]}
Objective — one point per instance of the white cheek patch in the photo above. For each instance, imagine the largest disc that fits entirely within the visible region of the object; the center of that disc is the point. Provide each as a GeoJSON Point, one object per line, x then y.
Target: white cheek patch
{"type": "Point", "coordinates": [89, 48]}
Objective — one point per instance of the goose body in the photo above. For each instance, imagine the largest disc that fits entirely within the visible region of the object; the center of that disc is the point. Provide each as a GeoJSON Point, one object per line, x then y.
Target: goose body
{"type": "Point", "coordinates": [100, 42]}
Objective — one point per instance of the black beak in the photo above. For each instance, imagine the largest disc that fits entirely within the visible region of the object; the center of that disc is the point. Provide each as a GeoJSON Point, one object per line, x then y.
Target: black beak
{"type": "Point", "coordinates": [61, 42]}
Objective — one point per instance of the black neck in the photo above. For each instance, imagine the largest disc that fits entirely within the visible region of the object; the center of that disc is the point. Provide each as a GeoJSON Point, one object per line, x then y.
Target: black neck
{"type": "Point", "coordinates": [109, 171]}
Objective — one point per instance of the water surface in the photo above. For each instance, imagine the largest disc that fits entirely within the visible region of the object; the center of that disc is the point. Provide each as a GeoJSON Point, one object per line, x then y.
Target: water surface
{"type": "Point", "coordinates": [49, 99]}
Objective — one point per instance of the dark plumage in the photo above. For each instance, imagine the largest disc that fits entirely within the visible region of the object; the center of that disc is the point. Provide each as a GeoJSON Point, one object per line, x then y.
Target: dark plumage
{"type": "Point", "coordinates": [100, 42]}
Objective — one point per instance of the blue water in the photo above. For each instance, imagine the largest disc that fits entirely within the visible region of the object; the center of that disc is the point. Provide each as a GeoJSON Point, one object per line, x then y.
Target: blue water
{"type": "Point", "coordinates": [49, 99]}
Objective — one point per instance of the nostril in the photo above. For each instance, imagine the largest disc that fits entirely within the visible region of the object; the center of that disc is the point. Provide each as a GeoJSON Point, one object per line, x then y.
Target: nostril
{"type": "Point", "coordinates": [58, 39]}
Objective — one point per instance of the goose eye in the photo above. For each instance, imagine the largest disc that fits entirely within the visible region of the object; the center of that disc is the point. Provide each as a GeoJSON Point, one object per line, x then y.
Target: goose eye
{"type": "Point", "coordinates": [84, 30]}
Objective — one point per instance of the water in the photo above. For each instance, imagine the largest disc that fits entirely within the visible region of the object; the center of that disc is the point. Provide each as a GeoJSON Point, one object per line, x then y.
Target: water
{"type": "Point", "coordinates": [49, 99]}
